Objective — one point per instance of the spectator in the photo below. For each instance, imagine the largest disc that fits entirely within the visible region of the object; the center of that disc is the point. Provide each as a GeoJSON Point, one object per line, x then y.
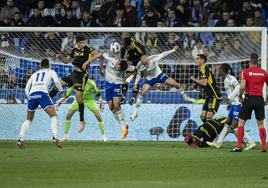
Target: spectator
{"type": "Point", "coordinates": [199, 15]}
{"type": "Point", "coordinates": [53, 44]}
{"type": "Point", "coordinates": [67, 3]}
{"type": "Point", "coordinates": [12, 82]}
{"type": "Point", "coordinates": [42, 8]}
{"type": "Point", "coordinates": [16, 20]}
{"type": "Point", "coordinates": [246, 11]}
{"type": "Point", "coordinates": [249, 22]}
{"type": "Point", "coordinates": [36, 20]}
{"type": "Point", "coordinates": [198, 49]}
{"type": "Point", "coordinates": [120, 19]}
{"type": "Point", "coordinates": [68, 43]}
{"type": "Point", "coordinates": [223, 20]}
{"type": "Point", "coordinates": [87, 20]}
{"type": "Point", "coordinates": [231, 23]}
{"type": "Point", "coordinates": [85, 5]}
{"type": "Point", "coordinates": [259, 20]}
{"type": "Point", "coordinates": [107, 13]}
{"type": "Point", "coordinates": [95, 6]}
{"type": "Point", "coordinates": [131, 13]}
{"type": "Point", "coordinates": [151, 18]}
{"type": "Point", "coordinates": [69, 20]}
{"type": "Point", "coordinates": [173, 40]}
{"type": "Point", "coordinates": [11, 99]}
{"type": "Point", "coordinates": [160, 23]}
{"type": "Point", "coordinates": [152, 41]}
{"type": "Point", "coordinates": [7, 12]}
{"type": "Point", "coordinates": [172, 20]}
{"type": "Point", "coordinates": [183, 11]}
{"type": "Point", "coordinates": [3, 78]}
{"type": "Point", "coordinates": [189, 40]}
{"type": "Point", "coordinates": [25, 78]}
{"type": "Point", "coordinates": [169, 4]}
{"type": "Point", "coordinates": [58, 10]}
{"type": "Point", "coordinates": [76, 8]}
{"type": "Point", "coordinates": [3, 40]}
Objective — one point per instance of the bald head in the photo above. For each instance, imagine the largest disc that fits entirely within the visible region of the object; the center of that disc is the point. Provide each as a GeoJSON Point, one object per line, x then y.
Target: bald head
{"type": "Point", "coordinates": [144, 60]}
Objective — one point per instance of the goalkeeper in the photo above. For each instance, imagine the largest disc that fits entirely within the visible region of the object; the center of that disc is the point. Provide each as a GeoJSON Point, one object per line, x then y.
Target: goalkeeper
{"type": "Point", "coordinates": [90, 92]}
{"type": "Point", "coordinates": [206, 132]}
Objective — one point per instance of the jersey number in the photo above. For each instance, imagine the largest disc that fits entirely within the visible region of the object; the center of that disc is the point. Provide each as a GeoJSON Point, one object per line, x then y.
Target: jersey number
{"type": "Point", "coordinates": [42, 78]}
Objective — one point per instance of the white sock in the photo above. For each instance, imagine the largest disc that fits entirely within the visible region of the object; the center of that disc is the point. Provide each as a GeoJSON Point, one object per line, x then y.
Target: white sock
{"type": "Point", "coordinates": [223, 134]}
{"type": "Point", "coordinates": [54, 126]}
{"type": "Point", "coordinates": [121, 119]}
{"type": "Point", "coordinates": [129, 78]}
{"type": "Point", "coordinates": [115, 116]}
{"type": "Point", "coordinates": [247, 138]}
{"type": "Point", "coordinates": [24, 128]}
{"type": "Point", "coordinates": [139, 101]}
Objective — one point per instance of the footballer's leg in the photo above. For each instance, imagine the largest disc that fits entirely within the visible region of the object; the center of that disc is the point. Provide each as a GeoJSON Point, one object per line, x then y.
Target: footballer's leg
{"type": "Point", "coordinates": [144, 90]}
{"type": "Point", "coordinates": [121, 116]}
{"type": "Point", "coordinates": [24, 128]}
{"type": "Point", "coordinates": [50, 110]}
{"type": "Point", "coordinates": [93, 107]}
{"type": "Point", "coordinates": [72, 110]}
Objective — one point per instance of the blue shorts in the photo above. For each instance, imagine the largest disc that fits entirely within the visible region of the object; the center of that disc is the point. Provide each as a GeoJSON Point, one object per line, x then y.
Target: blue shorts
{"type": "Point", "coordinates": [234, 112]}
{"type": "Point", "coordinates": [39, 98]}
{"type": "Point", "coordinates": [112, 90]}
{"type": "Point", "coordinates": [159, 79]}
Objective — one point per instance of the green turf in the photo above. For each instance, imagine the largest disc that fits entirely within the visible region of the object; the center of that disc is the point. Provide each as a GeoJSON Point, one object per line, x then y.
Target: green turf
{"type": "Point", "coordinates": [129, 164]}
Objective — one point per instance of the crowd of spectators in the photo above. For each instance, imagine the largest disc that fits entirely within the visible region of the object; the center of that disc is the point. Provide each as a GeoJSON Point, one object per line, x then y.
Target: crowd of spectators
{"type": "Point", "coordinates": [132, 13]}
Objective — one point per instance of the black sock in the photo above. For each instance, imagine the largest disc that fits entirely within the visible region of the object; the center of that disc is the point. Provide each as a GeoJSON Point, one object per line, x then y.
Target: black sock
{"type": "Point", "coordinates": [124, 89]}
{"type": "Point", "coordinates": [53, 92]}
{"type": "Point", "coordinates": [81, 111]}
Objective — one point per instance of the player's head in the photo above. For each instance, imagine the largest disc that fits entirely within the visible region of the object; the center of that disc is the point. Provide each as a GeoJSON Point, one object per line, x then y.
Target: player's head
{"type": "Point", "coordinates": [122, 66]}
{"type": "Point", "coordinates": [145, 60]}
{"type": "Point", "coordinates": [44, 64]}
{"type": "Point", "coordinates": [126, 42]}
{"type": "Point", "coordinates": [81, 41]}
{"type": "Point", "coordinates": [254, 59]}
{"type": "Point", "coordinates": [225, 69]}
{"type": "Point", "coordinates": [200, 59]}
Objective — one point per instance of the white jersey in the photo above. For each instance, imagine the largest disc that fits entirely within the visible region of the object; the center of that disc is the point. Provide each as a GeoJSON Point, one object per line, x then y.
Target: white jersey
{"type": "Point", "coordinates": [41, 80]}
{"type": "Point", "coordinates": [113, 76]}
{"type": "Point", "coordinates": [152, 70]}
{"type": "Point", "coordinates": [232, 87]}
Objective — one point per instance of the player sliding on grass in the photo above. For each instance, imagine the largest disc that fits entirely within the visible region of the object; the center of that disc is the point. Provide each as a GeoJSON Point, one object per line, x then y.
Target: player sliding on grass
{"type": "Point", "coordinates": [36, 91]}
{"type": "Point", "coordinates": [115, 71]}
{"type": "Point", "coordinates": [153, 74]}
{"type": "Point", "coordinates": [90, 92]}
{"type": "Point", "coordinates": [232, 87]}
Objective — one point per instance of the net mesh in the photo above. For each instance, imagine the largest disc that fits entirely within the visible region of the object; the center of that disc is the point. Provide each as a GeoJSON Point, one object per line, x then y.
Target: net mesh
{"type": "Point", "coordinates": [20, 52]}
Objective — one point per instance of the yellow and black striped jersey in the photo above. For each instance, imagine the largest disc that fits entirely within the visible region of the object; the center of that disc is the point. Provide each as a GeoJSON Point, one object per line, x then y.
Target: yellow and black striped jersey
{"type": "Point", "coordinates": [80, 56]}
{"type": "Point", "coordinates": [211, 89]}
{"type": "Point", "coordinates": [135, 53]}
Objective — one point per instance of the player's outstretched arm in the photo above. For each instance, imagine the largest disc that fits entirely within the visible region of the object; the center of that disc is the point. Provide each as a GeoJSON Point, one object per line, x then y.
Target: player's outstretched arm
{"type": "Point", "coordinates": [95, 55]}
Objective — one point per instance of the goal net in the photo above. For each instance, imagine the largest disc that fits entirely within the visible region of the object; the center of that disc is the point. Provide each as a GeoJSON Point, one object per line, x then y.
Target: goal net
{"type": "Point", "coordinates": [164, 113]}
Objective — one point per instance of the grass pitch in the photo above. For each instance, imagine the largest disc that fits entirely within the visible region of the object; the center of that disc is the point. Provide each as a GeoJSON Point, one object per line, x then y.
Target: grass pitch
{"type": "Point", "coordinates": [129, 165]}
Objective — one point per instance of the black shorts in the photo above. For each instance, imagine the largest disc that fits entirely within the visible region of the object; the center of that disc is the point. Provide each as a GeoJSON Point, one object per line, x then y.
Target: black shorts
{"type": "Point", "coordinates": [68, 79]}
{"type": "Point", "coordinates": [79, 80]}
{"type": "Point", "coordinates": [252, 103]}
{"type": "Point", "coordinates": [135, 61]}
{"type": "Point", "coordinates": [211, 104]}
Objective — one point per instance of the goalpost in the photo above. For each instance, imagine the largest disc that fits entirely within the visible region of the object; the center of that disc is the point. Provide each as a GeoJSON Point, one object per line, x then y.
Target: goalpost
{"type": "Point", "coordinates": [163, 110]}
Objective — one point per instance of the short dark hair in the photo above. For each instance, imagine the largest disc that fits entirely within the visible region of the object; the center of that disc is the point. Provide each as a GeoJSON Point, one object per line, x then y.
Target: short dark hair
{"type": "Point", "coordinates": [226, 68]}
{"type": "Point", "coordinates": [80, 37]}
{"type": "Point", "coordinates": [44, 63]}
{"type": "Point", "coordinates": [202, 56]}
{"type": "Point", "coordinates": [126, 42]}
{"type": "Point", "coordinates": [123, 65]}
{"type": "Point", "coordinates": [254, 58]}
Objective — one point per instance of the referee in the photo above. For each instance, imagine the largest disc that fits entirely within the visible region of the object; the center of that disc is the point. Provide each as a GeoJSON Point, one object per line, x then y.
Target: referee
{"type": "Point", "coordinates": [252, 82]}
